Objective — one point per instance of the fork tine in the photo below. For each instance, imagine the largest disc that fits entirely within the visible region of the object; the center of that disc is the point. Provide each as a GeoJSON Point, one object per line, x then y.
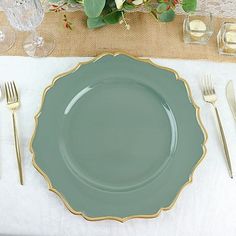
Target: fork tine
{"type": "Point", "coordinates": [212, 86]}
{"type": "Point", "coordinates": [214, 90]}
{"type": "Point", "coordinates": [209, 86]}
{"type": "Point", "coordinates": [15, 89]}
{"type": "Point", "coordinates": [10, 92]}
{"type": "Point", "coordinates": [206, 87]}
{"type": "Point", "coordinates": [14, 96]}
{"type": "Point", "coordinates": [203, 86]}
{"type": "Point", "coordinates": [6, 91]}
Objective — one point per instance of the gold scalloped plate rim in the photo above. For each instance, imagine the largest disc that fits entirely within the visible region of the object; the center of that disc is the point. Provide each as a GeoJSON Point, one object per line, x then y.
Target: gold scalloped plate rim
{"type": "Point", "coordinates": [120, 219]}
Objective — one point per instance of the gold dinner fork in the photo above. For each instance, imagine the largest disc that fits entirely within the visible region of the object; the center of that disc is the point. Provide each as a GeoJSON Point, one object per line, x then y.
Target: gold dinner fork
{"type": "Point", "coordinates": [209, 96]}
{"type": "Point", "coordinates": [13, 104]}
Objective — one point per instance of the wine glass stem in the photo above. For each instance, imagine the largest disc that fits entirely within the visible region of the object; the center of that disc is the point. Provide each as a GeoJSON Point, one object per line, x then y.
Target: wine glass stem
{"type": "Point", "coordinates": [2, 36]}
{"type": "Point", "coordinates": [38, 41]}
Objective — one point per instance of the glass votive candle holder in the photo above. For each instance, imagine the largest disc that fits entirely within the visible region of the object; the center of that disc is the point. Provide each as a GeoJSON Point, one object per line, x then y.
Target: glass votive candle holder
{"type": "Point", "coordinates": [198, 27]}
{"type": "Point", "coordinates": [226, 39]}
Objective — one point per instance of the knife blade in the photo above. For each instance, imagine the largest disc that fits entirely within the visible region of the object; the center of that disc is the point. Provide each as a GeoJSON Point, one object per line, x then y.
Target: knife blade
{"type": "Point", "coordinates": [231, 97]}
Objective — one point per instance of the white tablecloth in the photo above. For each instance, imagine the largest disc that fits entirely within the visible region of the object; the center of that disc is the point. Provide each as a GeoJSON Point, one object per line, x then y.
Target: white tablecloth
{"type": "Point", "coordinates": [206, 207]}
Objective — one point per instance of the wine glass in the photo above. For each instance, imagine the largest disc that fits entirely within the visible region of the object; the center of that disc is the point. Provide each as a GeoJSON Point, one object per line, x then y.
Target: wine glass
{"type": "Point", "coordinates": [27, 15]}
{"type": "Point", "coordinates": [7, 36]}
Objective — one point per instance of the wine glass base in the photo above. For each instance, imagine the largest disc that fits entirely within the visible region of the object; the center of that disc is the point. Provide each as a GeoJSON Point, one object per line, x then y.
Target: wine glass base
{"type": "Point", "coordinates": [7, 38]}
{"type": "Point", "coordinates": [41, 46]}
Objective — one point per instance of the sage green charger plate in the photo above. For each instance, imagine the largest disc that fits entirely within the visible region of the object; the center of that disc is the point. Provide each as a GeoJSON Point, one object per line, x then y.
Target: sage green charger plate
{"type": "Point", "coordinates": [118, 138]}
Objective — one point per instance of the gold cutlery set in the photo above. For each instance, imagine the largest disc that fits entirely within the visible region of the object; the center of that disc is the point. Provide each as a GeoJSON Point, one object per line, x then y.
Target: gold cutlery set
{"type": "Point", "coordinates": [209, 95]}
{"type": "Point", "coordinates": [13, 103]}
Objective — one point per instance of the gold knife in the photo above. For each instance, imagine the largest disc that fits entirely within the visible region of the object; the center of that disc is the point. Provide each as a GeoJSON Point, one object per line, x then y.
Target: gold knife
{"type": "Point", "coordinates": [231, 97]}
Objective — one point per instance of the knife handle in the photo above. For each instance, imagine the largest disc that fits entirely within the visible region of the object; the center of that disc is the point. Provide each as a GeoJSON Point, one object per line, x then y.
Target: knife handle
{"type": "Point", "coordinates": [226, 150]}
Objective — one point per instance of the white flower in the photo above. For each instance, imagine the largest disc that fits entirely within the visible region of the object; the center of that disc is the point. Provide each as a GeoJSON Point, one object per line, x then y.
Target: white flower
{"type": "Point", "coordinates": [119, 3]}
{"type": "Point", "coordinates": [138, 2]}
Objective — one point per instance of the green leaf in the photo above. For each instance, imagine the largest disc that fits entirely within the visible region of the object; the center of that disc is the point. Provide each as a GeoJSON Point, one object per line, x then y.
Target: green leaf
{"type": "Point", "coordinates": [161, 7]}
{"type": "Point", "coordinates": [71, 1]}
{"type": "Point", "coordinates": [93, 8]}
{"type": "Point", "coordinates": [167, 16]}
{"type": "Point", "coordinates": [96, 22]}
{"type": "Point", "coordinates": [112, 18]}
{"type": "Point", "coordinates": [128, 6]}
{"type": "Point", "coordinates": [189, 5]}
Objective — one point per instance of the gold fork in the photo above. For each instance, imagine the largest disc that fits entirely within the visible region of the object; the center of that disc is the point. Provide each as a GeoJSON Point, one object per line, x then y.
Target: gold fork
{"type": "Point", "coordinates": [13, 104]}
{"type": "Point", "coordinates": [209, 96]}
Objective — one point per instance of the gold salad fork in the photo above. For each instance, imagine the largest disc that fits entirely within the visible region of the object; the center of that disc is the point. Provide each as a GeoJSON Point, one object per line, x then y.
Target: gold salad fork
{"type": "Point", "coordinates": [13, 104]}
{"type": "Point", "coordinates": [209, 96]}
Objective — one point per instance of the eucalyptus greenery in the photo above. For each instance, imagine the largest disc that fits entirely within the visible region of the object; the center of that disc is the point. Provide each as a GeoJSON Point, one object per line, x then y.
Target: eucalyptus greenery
{"type": "Point", "coordinates": [104, 12]}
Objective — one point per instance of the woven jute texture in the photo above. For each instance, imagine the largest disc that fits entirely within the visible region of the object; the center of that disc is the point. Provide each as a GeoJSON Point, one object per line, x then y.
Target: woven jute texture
{"type": "Point", "coordinates": [146, 38]}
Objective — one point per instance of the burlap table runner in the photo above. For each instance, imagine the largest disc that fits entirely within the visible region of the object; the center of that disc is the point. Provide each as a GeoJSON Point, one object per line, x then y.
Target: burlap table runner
{"type": "Point", "coordinates": [146, 38]}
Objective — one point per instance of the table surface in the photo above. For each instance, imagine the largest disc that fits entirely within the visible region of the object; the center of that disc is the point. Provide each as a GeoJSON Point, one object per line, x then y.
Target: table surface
{"type": "Point", "coordinates": [206, 207]}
